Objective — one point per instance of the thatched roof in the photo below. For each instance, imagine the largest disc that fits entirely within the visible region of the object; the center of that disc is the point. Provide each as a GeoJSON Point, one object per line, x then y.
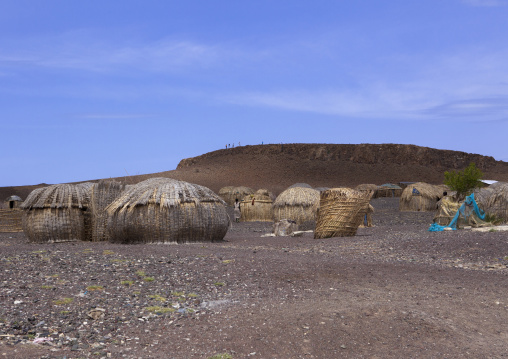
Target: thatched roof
{"type": "Point", "coordinates": [301, 185]}
{"type": "Point", "coordinates": [390, 186]}
{"type": "Point", "coordinates": [366, 187]}
{"type": "Point", "coordinates": [164, 192]}
{"type": "Point", "coordinates": [265, 193]}
{"type": "Point", "coordinates": [59, 196]}
{"type": "Point", "coordinates": [421, 189]}
{"type": "Point", "coordinates": [240, 190]}
{"type": "Point", "coordinates": [14, 198]}
{"type": "Point", "coordinates": [321, 189]}
{"type": "Point", "coordinates": [297, 196]}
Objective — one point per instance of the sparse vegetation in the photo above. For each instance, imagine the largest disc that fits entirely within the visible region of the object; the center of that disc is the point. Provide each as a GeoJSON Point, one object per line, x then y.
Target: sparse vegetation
{"type": "Point", "coordinates": [160, 310]}
{"type": "Point", "coordinates": [149, 279]}
{"type": "Point", "coordinates": [127, 282]}
{"type": "Point", "coordinates": [63, 301]}
{"type": "Point", "coordinates": [464, 182]}
{"type": "Point", "coordinates": [221, 356]}
{"type": "Point", "coordinates": [94, 287]}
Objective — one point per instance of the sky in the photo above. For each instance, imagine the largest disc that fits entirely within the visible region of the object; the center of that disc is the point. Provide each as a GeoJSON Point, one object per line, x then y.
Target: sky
{"type": "Point", "coordinates": [101, 88]}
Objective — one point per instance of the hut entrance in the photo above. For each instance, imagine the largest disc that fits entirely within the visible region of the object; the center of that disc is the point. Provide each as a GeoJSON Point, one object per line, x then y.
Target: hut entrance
{"type": "Point", "coordinates": [11, 204]}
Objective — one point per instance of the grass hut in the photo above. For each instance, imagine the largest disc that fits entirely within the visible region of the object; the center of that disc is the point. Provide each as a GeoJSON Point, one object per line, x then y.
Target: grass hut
{"type": "Point", "coordinates": [13, 202]}
{"type": "Point", "coordinates": [58, 213]}
{"type": "Point", "coordinates": [341, 211]}
{"type": "Point", "coordinates": [420, 197]}
{"type": "Point", "coordinates": [388, 190]}
{"type": "Point", "coordinates": [298, 204]}
{"type": "Point", "coordinates": [102, 194]}
{"type": "Point", "coordinates": [230, 193]}
{"type": "Point", "coordinates": [367, 187]}
{"type": "Point", "coordinates": [257, 207]}
{"type": "Point", "coordinates": [300, 185]}
{"type": "Point", "coordinates": [164, 210]}
{"type": "Point", "coordinates": [497, 202]}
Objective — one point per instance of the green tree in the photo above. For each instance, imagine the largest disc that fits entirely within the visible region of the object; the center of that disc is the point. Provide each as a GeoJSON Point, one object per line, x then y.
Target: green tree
{"type": "Point", "coordinates": [464, 182]}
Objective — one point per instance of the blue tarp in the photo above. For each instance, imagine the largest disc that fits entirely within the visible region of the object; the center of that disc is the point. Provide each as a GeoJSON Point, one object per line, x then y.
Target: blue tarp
{"type": "Point", "coordinates": [467, 208]}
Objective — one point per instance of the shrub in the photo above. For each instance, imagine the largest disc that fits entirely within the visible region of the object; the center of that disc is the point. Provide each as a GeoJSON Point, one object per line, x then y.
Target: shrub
{"type": "Point", "coordinates": [464, 182]}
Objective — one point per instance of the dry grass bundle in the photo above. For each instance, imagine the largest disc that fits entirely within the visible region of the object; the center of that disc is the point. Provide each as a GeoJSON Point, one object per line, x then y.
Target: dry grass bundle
{"type": "Point", "coordinates": [102, 194]}
{"type": "Point", "coordinates": [164, 210]}
{"type": "Point", "coordinates": [420, 197]}
{"type": "Point", "coordinates": [497, 202]}
{"type": "Point", "coordinates": [368, 187]}
{"type": "Point", "coordinates": [11, 220]}
{"type": "Point", "coordinates": [58, 213]}
{"type": "Point", "coordinates": [388, 190]}
{"type": "Point", "coordinates": [298, 204]}
{"type": "Point", "coordinates": [257, 207]}
{"type": "Point", "coordinates": [447, 208]}
{"type": "Point", "coordinates": [230, 193]}
{"type": "Point", "coordinates": [13, 202]}
{"type": "Point", "coordinates": [341, 211]}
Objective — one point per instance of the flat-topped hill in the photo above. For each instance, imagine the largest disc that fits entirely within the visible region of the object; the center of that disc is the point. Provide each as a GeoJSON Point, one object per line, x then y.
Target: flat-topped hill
{"type": "Point", "coordinates": [277, 166]}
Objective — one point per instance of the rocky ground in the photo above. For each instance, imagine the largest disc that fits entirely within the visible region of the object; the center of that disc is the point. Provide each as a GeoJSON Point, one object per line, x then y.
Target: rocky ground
{"type": "Point", "coordinates": [394, 290]}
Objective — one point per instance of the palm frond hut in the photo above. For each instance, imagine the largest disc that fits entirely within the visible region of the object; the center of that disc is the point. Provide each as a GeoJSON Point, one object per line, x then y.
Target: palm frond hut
{"type": "Point", "coordinates": [165, 210]}
{"type": "Point", "coordinates": [420, 197]}
{"type": "Point", "coordinates": [298, 204]}
{"type": "Point", "coordinates": [497, 202]}
{"type": "Point", "coordinates": [341, 211]}
{"type": "Point", "coordinates": [388, 190]}
{"type": "Point", "coordinates": [257, 207]}
{"type": "Point", "coordinates": [102, 194]}
{"type": "Point", "coordinates": [58, 213]}
{"type": "Point", "coordinates": [368, 187]}
{"type": "Point", "coordinates": [12, 202]}
{"type": "Point", "coordinates": [230, 193]}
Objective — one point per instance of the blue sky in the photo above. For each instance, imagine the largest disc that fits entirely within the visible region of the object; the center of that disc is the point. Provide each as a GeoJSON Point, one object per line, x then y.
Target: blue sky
{"type": "Point", "coordinates": [98, 89]}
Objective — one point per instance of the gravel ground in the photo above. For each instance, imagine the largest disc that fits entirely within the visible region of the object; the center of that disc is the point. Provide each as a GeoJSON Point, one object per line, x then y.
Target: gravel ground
{"type": "Point", "coordinates": [394, 290]}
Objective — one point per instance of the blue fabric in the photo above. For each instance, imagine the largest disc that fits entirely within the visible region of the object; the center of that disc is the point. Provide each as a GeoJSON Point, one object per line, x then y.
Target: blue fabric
{"type": "Point", "coordinates": [469, 202]}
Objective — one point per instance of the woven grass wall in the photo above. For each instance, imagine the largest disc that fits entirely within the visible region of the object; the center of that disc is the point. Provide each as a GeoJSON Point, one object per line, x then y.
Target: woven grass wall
{"type": "Point", "coordinates": [164, 210]}
{"type": "Point", "coordinates": [257, 207]}
{"type": "Point", "coordinates": [58, 213]}
{"type": "Point", "coordinates": [298, 204]}
{"type": "Point", "coordinates": [388, 190]}
{"type": "Point", "coordinates": [11, 220]}
{"type": "Point", "coordinates": [368, 187]}
{"type": "Point", "coordinates": [102, 194]}
{"type": "Point", "coordinates": [341, 211]}
{"type": "Point", "coordinates": [447, 208]}
{"type": "Point", "coordinates": [420, 197]}
{"type": "Point", "coordinates": [497, 202]}
{"type": "Point", "coordinates": [230, 193]}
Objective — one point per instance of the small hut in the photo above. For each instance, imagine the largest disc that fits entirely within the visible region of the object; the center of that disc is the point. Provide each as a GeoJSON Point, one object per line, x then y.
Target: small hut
{"type": "Point", "coordinates": [341, 211]}
{"type": "Point", "coordinates": [230, 193]}
{"type": "Point", "coordinates": [164, 210]}
{"type": "Point", "coordinates": [58, 213]}
{"type": "Point", "coordinates": [497, 202]}
{"type": "Point", "coordinates": [13, 202]}
{"type": "Point", "coordinates": [447, 208]}
{"type": "Point", "coordinates": [420, 197]}
{"type": "Point", "coordinates": [368, 187]}
{"type": "Point", "coordinates": [298, 204]}
{"type": "Point", "coordinates": [102, 194]}
{"type": "Point", "coordinates": [257, 207]}
{"type": "Point", "coordinates": [388, 190]}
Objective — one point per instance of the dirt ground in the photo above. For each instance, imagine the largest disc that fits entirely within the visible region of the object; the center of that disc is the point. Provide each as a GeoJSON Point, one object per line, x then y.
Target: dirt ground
{"type": "Point", "coordinates": [392, 291]}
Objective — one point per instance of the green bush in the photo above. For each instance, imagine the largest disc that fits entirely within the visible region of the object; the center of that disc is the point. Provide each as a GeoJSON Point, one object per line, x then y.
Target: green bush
{"type": "Point", "coordinates": [464, 182]}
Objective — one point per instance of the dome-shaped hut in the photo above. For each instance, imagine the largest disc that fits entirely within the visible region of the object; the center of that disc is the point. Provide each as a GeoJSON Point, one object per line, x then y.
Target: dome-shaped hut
{"type": "Point", "coordinates": [58, 213]}
{"type": "Point", "coordinates": [420, 197]}
{"type": "Point", "coordinates": [102, 194]}
{"type": "Point", "coordinates": [497, 202]}
{"type": "Point", "coordinates": [164, 210]}
{"type": "Point", "coordinates": [257, 207]}
{"type": "Point", "coordinates": [230, 193]}
{"type": "Point", "coordinates": [388, 190]}
{"type": "Point", "coordinates": [298, 204]}
{"type": "Point", "coordinates": [300, 185]}
{"type": "Point", "coordinates": [368, 187]}
{"type": "Point", "coordinates": [12, 202]}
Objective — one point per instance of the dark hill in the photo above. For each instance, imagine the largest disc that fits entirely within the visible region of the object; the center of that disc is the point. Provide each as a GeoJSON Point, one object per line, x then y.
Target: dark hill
{"type": "Point", "coordinates": [276, 167]}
